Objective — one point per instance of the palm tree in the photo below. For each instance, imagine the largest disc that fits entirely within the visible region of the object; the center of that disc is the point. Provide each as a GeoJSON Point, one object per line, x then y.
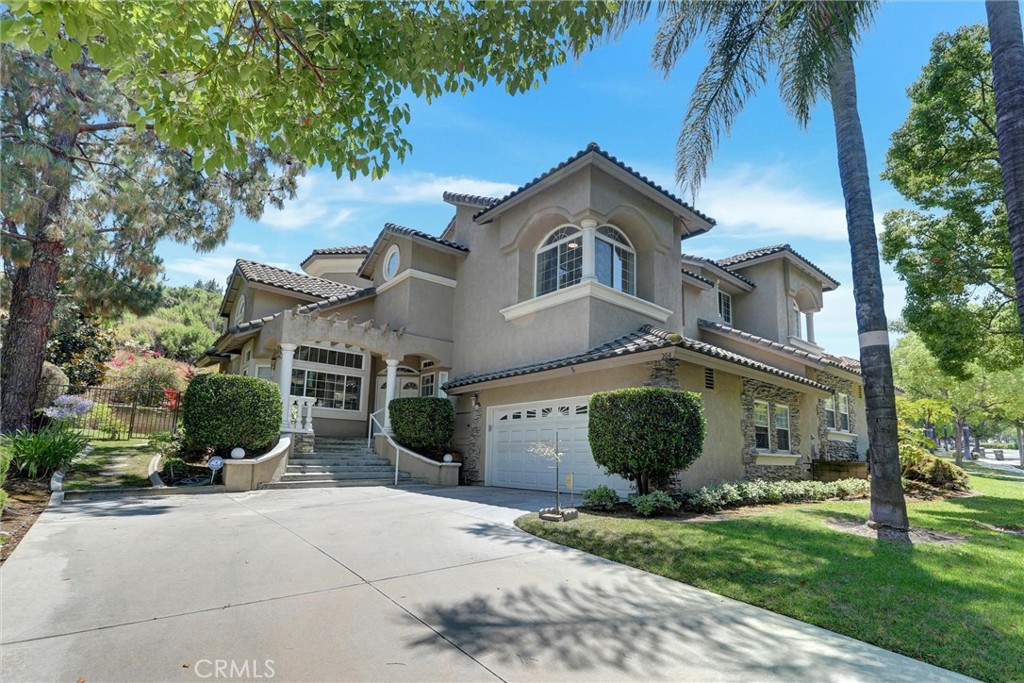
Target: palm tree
{"type": "Point", "coordinates": [811, 46]}
{"type": "Point", "coordinates": [1005, 34]}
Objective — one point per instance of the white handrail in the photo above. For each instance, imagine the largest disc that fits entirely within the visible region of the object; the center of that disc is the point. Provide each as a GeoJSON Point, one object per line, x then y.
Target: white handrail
{"type": "Point", "coordinates": [369, 427]}
{"type": "Point", "coordinates": [398, 448]}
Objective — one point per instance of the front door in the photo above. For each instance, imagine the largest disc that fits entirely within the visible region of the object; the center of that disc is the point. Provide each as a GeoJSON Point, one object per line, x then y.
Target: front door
{"type": "Point", "coordinates": [408, 385]}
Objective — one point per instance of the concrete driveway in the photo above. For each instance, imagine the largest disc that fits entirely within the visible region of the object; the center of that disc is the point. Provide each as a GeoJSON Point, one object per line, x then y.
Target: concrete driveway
{"type": "Point", "coordinates": [375, 584]}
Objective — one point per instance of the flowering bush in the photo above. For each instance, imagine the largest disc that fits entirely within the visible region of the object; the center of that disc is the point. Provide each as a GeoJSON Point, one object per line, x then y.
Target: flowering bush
{"type": "Point", "coordinates": [149, 377]}
{"type": "Point", "coordinates": [68, 407]}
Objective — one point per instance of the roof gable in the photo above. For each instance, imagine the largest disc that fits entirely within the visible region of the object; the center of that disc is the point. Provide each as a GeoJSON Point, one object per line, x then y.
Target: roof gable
{"type": "Point", "coordinates": [762, 254]}
{"type": "Point", "coordinates": [593, 153]}
{"type": "Point", "coordinates": [402, 231]}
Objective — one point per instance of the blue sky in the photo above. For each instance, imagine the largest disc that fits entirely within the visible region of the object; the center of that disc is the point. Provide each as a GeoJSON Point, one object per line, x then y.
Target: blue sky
{"type": "Point", "coordinates": [770, 182]}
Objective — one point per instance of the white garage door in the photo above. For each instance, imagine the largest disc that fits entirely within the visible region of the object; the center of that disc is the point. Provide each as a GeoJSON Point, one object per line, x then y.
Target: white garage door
{"type": "Point", "coordinates": [513, 429]}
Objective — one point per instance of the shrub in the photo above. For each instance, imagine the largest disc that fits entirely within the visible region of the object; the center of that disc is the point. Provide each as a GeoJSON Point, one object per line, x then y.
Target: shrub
{"type": "Point", "coordinates": [646, 434]}
{"type": "Point", "coordinates": [228, 411]}
{"type": "Point", "coordinates": [653, 503]}
{"type": "Point", "coordinates": [761, 491]}
{"type": "Point", "coordinates": [173, 469]}
{"type": "Point", "coordinates": [937, 473]}
{"type": "Point", "coordinates": [423, 424]}
{"type": "Point", "coordinates": [147, 377]}
{"type": "Point", "coordinates": [602, 497]}
{"type": "Point", "coordinates": [37, 454]}
{"type": "Point", "coordinates": [5, 464]}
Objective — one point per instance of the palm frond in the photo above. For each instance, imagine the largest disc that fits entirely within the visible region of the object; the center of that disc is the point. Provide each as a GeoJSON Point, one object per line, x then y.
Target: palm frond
{"type": "Point", "coordinates": [741, 43]}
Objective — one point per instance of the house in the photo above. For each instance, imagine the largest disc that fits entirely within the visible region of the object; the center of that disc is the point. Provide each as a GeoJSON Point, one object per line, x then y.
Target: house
{"type": "Point", "coordinates": [584, 279]}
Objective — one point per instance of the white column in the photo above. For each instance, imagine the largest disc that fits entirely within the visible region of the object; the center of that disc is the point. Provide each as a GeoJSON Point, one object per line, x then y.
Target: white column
{"type": "Point", "coordinates": [389, 391]}
{"type": "Point", "coordinates": [284, 382]}
{"type": "Point", "coordinates": [589, 247]}
{"type": "Point", "coordinates": [810, 326]}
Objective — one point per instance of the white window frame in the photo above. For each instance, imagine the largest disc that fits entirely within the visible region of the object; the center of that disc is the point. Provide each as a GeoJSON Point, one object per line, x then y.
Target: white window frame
{"type": "Point", "coordinates": [725, 307]}
{"type": "Point", "coordinates": [386, 270]}
{"type": "Point", "coordinates": [788, 429]}
{"type": "Point", "coordinates": [577, 236]}
{"type": "Point", "coordinates": [432, 383]}
{"type": "Point", "coordinates": [834, 406]}
{"type": "Point", "coordinates": [623, 245]}
{"type": "Point", "coordinates": [258, 366]}
{"type": "Point", "coordinates": [442, 378]}
{"type": "Point", "coordinates": [239, 312]}
{"type": "Point", "coordinates": [339, 371]}
{"type": "Point", "coordinates": [767, 425]}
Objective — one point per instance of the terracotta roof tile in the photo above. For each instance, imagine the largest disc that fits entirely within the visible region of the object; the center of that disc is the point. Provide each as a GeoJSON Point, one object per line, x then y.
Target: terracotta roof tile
{"type": "Point", "coordinates": [730, 262]}
{"type": "Point", "coordinates": [646, 338]}
{"type": "Point", "coordinates": [294, 282]}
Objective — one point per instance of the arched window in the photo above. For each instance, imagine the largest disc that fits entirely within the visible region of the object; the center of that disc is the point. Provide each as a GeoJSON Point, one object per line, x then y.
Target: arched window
{"type": "Point", "coordinates": [615, 260]}
{"type": "Point", "coordinates": [560, 260]}
{"type": "Point", "coordinates": [239, 312]}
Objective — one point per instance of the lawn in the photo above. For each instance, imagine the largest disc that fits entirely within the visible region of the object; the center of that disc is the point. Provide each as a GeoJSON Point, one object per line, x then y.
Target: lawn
{"type": "Point", "coordinates": [120, 464]}
{"type": "Point", "coordinates": [958, 606]}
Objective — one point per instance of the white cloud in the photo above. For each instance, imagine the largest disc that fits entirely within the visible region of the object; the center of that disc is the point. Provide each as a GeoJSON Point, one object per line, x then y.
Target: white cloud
{"type": "Point", "coordinates": [217, 264]}
{"type": "Point", "coordinates": [323, 202]}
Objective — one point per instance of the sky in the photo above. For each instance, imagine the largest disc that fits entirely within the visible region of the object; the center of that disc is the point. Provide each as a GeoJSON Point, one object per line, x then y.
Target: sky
{"type": "Point", "coordinates": [770, 181]}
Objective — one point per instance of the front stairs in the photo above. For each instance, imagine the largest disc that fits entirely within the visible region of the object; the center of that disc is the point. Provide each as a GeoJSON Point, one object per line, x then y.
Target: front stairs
{"type": "Point", "coordinates": [340, 462]}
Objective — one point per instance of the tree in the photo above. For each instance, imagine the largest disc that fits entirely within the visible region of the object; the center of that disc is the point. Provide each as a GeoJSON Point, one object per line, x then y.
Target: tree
{"type": "Point", "coordinates": [955, 259]}
{"type": "Point", "coordinates": [1008, 80]}
{"type": "Point", "coordinates": [1010, 389]}
{"type": "Point", "coordinates": [966, 400]}
{"type": "Point", "coordinates": [185, 111]}
{"type": "Point", "coordinates": [811, 46]}
{"type": "Point", "coordinates": [328, 81]}
{"type": "Point", "coordinates": [84, 202]}
{"type": "Point", "coordinates": [182, 327]}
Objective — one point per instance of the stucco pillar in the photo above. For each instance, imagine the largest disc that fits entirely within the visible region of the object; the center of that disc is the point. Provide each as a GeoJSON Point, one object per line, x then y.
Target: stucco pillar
{"type": "Point", "coordinates": [284, 383]}
{"type": "Point", "coordinates": [589, 245]}
{"type": "Point", "coordinates": [810, 326]}
{"type": "Point", "coordinates": [389, 391]}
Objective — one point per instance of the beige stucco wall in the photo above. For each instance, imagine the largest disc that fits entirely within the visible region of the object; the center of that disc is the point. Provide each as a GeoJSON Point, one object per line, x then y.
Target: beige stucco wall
{"type": "Point", "coordinates": [722, 445]}
{"type": "Point", "coordinates": [263, 302]}
{"type": "Point", "coordinates": [501, 272]}
{"type": "Point", "coordinates": [763, 311]}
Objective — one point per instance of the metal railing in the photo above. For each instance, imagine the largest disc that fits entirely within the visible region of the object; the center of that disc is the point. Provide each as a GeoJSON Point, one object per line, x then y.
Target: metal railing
{"type": "Point", "coordinates": [114, 413]}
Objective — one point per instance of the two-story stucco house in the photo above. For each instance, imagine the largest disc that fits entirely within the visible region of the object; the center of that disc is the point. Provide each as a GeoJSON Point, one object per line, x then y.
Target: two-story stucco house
{"type": "Point", "coordinates": [582, 280]}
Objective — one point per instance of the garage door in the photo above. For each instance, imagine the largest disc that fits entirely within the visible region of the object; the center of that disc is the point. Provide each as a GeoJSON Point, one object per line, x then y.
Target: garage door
{"type": "Point", "coordinates": [513, 429]}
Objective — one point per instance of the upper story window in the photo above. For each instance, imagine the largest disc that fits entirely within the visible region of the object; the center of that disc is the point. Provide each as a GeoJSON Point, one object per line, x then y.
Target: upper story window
{"type": "Point", "coordinates": [315, 354]}
{"type": "Point", "coordinates": [837, 412]}
{"type": "Point", "coordinates": [614, 260]}
{"type": "Point", "coordinates": [725, 307]}
{"type": "Point", "coordinates": [560, 260]}
{"type": "Point", "coordinates": [239, 312]}
{"type": "Point", "coordinates": [391, 261]}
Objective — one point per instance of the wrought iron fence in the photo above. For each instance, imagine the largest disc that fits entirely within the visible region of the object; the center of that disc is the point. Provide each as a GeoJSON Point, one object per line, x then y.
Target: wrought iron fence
{"type": "Point", "coordinates": [117, 413]}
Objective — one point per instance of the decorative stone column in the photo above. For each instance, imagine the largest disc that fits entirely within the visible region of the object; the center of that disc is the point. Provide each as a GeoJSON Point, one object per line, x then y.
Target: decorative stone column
{"type": "Point", "coordinates": [389, 391]}
{"type": "Point", "coordinates": [471, 467]}
{"type": "Point", "coordinates": [284, 383]}
{"type": "Point", "coordinates": [663, 373]}
{"type": "Point", "coordinates": [589, 247]}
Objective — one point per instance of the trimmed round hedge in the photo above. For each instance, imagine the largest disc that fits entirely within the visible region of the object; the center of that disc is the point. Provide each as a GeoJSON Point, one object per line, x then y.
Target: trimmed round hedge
{"type": "Point", "coordinates": [646, 434]}
{"type": "Point", "coordinates": [228, 411]}
{"type": "Point", "coordinates": [423, 424]}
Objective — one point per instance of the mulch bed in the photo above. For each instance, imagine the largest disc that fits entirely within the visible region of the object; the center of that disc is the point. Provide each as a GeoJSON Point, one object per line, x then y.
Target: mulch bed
{"type": "Point", "coordinates": [27, 499]}
{"type": "Point", "coordinates": [917, 535]}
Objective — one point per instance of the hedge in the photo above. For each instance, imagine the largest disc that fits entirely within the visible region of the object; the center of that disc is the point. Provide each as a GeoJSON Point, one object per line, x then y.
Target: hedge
{"type": "Point", "coordinates": [223, 412]}
{"type": "Point", "coordinates": [646, 434]}
{"type": "Point", "coordinates": [423, 424]}
{"type": "Point", "coordinates": [766, 492]}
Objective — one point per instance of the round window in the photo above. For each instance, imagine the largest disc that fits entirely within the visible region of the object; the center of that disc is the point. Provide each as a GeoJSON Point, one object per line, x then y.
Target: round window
{"type": "Point", "coordinates": [391, 262]}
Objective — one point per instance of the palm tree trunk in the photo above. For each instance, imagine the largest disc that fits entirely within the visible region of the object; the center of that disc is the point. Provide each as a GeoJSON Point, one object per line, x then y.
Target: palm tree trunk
{"type": "Point", "coordinates": [888, 506]}
{"type": "Point", "coordinates": [1005, 34]}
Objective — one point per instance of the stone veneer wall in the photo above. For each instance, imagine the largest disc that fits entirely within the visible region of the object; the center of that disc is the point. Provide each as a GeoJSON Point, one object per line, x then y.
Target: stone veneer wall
{"type": "Point", "coordinates": [834, 450]}
{"type": "Point", "coordinates": [754, 390]}
{"type": "Point", "coordinates": [471, 466]}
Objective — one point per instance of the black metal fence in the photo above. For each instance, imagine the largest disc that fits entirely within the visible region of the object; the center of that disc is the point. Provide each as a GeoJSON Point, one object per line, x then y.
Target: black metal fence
{"type": "Point", "coordinates": [113, 413]}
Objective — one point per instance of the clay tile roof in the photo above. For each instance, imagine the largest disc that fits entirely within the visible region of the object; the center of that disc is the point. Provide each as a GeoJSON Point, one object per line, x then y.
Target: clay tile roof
{"type": "Point", "coordinates": [333, 301]}
{"type": "Point", "coordinates": [402, 230]}
{"type": "Point", "coordinates": [694, 275]}
{"type": "Point", "coordinates": [472, 199]}
{"type": "Point", "coordinates": [823, 359]}
{"type": "Point", "coordinates": [646, 338]}
{"type": "Point", "coordinates": [737, 259]}
{"type": "Point", "coordinates": [593, 148]}
{"type": "Point", "coordinates": [294, 282]}
{"type": "Point", "coordinates": [357, 250]}
{"type": "Point", "coordinates": [713, 265]}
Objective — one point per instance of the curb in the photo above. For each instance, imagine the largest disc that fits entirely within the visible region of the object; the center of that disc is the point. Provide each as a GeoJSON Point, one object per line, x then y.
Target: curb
{"type": "Point", "coordinates": [57, 480]}
{"type": "Point", "coordinates": [154, 471]}
{"type": "Point", "coordinates": [153, 492]}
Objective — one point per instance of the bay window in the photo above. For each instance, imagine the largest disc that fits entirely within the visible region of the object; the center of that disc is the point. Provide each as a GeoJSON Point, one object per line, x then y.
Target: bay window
{"type": "Point", "coordinates": [614, 260]}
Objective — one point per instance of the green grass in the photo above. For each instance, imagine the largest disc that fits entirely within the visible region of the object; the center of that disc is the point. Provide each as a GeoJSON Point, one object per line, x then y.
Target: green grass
{"type": "Point", "coordinates": [87, 473]}
{"type": "Point", "coordinates": [958, 606]}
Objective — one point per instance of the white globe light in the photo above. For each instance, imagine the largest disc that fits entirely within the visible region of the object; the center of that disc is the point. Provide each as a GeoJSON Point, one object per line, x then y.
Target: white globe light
{"type": "Point", "coordinates": [237, 453]}
{"type": "Point", "coordinates": [448, 457]}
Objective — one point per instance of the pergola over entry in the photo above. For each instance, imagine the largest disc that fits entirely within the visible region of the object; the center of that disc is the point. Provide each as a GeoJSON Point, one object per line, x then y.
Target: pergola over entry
{"type": "Point", "coordinates": [288, 330]}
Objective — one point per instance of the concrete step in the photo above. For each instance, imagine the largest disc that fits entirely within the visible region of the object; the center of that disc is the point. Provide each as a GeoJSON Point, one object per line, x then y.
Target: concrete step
{"type": "Point", "coordinates": [335, 457]}
{"type": "Point", "coordinates": [378, 474]}
{"type": "Point", "coordinates": [334, 454]}
{"type": "Point", "coordinates": [335, 483]}
{"type": "Point", "coordinates": [339, 469]}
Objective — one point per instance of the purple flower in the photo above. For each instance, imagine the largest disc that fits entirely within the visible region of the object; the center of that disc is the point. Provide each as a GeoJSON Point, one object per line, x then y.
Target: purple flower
{"type": "Point", "coordinates": [67, 407]}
